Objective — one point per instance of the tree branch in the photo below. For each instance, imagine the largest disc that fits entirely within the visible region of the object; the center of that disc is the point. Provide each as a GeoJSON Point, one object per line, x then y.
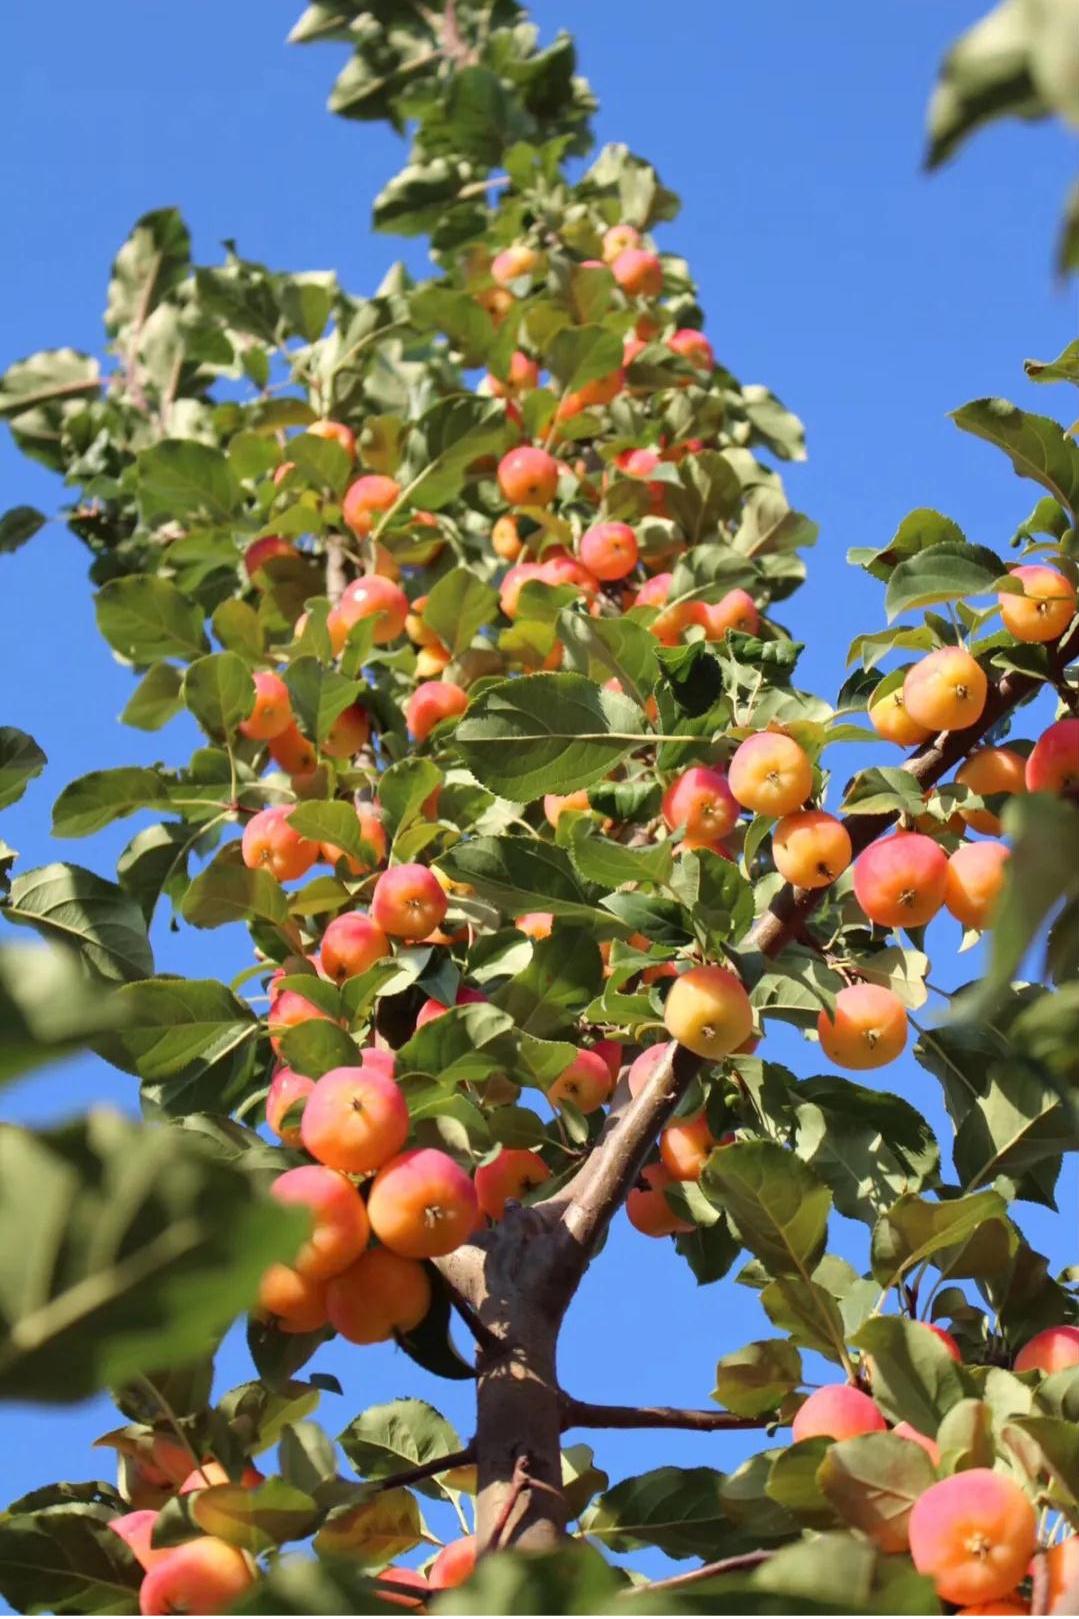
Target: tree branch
{"type": "Point", "coordinates": [726, 1565]}
{"type": "Point", "coordinates": [431, 1469]}
{"type": "Point", "coordinates": [791, 906]}
{"type": "Point", "coordinates": [583, 1414]}
{"type": "Point", "coordinates": [336, 569]}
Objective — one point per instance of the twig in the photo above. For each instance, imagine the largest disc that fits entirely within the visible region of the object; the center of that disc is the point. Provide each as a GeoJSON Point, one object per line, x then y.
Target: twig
{"type": "Point", "coordinates": [518, 1484]}
{"type": "Point", "coordinates": [336, 569]}
{"type": "Point", "coordinates": [726, 1565]}
{"type": "Point", "coordinates": [584, 1414]}
{"type": "Point", "coordinates": [431, 1469]}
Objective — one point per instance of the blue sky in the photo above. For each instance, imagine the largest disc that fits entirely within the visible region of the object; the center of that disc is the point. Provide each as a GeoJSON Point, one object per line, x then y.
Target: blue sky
{"type": "Point", "coordinates": [872, 298]}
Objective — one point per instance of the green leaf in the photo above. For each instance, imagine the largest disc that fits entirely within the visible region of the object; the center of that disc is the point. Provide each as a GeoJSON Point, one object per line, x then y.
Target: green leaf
{"type": "Point", "coordinates": [948, 572]}
{"type": "Point", "coordinates": [181, 478]}
{"type": "Point", "coordinates": [431, 1344]}
{"type": "Point", "coordinates": [316, 1046]}
{"type": "Point", "coordinates": [546, 733]}
{"type": "Point", "coordinates": [458, 605]}
{"type": "Point", "coordinates": [18, 525]}
{"type": "Point", "coordinates": [1037, 446]}
{"type": "Point", "coordinates": [144, 1244]}
{"type": "Point", "coordinates": [572, 1579]}
{"type": "Point", "coordinates": [915, 1379]}
{"type": "Point", "coordinates": [451, 1047]}
{"type": "Point", "coordinates": [546, 998]}
{"type": "Point", "coordinates": [220, 692]}
{"type": "Point", "coordinates": [149, 266]}
{"type": "Point", "coordinates": [329, 821]}
{"type": "Point", "coordinates": [833, 1572]}
{"type": "Point", "coordinates": [519, 875]}
{"type": "Point", "coordinates": [173, 1025]}
{"type": "Point", "coordinates": [157, 698]}
{"type": "Point", "coordinates": [306, 301]}
{"type": "Point", "coordinates": [228, 891]}
{"type": "Point", "coordinates": [678, 1509]}
{"type": "Point", "coordinates": [20, 761]}
{"type": "Point", "coordinates": [869, 1146]}
{"type": "Point", "coordinates": [965, 1437]}
{"type": "Point", "coordinates": [66, 1559]}
{"type": "Point", "coordinates": [918, 531]}
{"type": "Point", "coordinates": [873, 1482]}
{"type": "Point", "coordinates": [792, 1483]}
{"type": "Point", "coordinates": [1065, 368]}
{"type": "Point", "coordinates": [74, 907]}
{"type": "Point", "coordinates": [318, 695]}
{"type": "Point", "coordinates": [1047, 1447]}
{"type": "Point", "coordinates": [387, 1439]}
{"type": "Point", "coordinates": [144, 618]}
{"type": "Point", "coordinates": [48, 1007]}
{"type": "Point", "coordinates": [580, 354]}
{"type": "Point", "coordinates": [404, 789]}
{"type": "Point", "coordinates": [606, 648]}
{"type": "Point", "coordinates": [914, 1229]}
{"type": "Point", "coordinates": [756, 1379]}
{"type": "Point", "coordinates": [104, 796]}
{"type": "Point", "coordinates": [1017, 1123]}
{"type": "Point", "coordinates": [372, 1533]}
{"type": "Point", "coordinates": [601, 860]}
{"type": "Point", "coordinates": [809, 1313]}
{"type": "Point", "coordinates": [985, 75]}
{"type": "Point", "coordinates": [445, 441]}
{"type": "Point", "coordinates": [777, 1203]}
{"type": "Point", "coordinates": [881, 789]}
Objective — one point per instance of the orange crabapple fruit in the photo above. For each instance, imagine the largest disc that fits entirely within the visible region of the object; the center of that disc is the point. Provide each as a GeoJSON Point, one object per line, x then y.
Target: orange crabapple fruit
{"type": "Point", "coordinates": [904, 1430]}
{"type": "Point", "coordinates": [946, 690]}
{"type": "Point", "coordinates": [685, 1146]}
{"type": "Point", "coordinates": [869, 1028]}
{"type": "Point", "coordinates": [1053, 765]}
{"type": "Point", "coordinates": [422, 1204]}
{"type": "Point", "coordinates": [708, 1012]}
{"type": "Point", "coordinates": [990, 771]}
{"type": "Point", "coordinates": [973, 1534]}
{"type": "Point", "coordinates": [889, 718]}
{"type": "Point", "coordinates": [811, 848]}
{"type": "Point", "coordinates": [341, 1229]}
{"type": "Point", "coordinates": [401, 1587]}
{"type": "Point", "coordinates": [454, 1564]}
{"type": "Point", "coordinates": [516, 260]}
{"type": "Point", "coordinates": [1054, 1349]}
{"type": "Point", "coordinates": [701, 800]}
{"type": "Point", "coordinates": [975, 879]}
{"type": "Point", "coordinates": [691, 345]}
{"type": "Point", "coordinates": [337, 432]}
{"type": "Point", "coordinates": [432, 702]}
{"type": "Point", "coordinates": [556, 804]}
{"type": "Point", "coordinates": [645, 1065]}
{"type": "Point", "coordinates": [432, 1009]}
{"type": "Point", "coordinates": [735, 611]}
{"type": "Point", "coordinates": [505, 540]}
{"type": "Point", "coordinates": [349, 733]}
{"type": "Point", "coordinates": [1062, 1570]}
{"type": "Point", "coordinates": [611, 1052]}
{"type": "Point", "coordinates": [295, 1303]}
{"type": "Point", "coordinates": [350, 945]}
{"type": "Point", "coordinates": [355, 1120]}
{"type": "Point", "coordinates": [1013, 1604]}
{"type": "Point", "coordinates": [528, 476]}
{"type": "Point", "coordinates": [379, 1294]}
{"type": "Point", "coordinates": [136, 1529]}
{"type": "Point", "coordinates": [638, 272]}
{"type": "Point", "coordinates": [272, 710]}
{"type": "Point", "coordinates": [259, 552]}
{"type": "Point", "coordinates": [205, 1575]}
{"type": "Point", "coordinates": [408, 901]}
{"type": "Point", "coordinates": [837, 1411]}
{"type": "Point", "coordinates": [515, 1171]}
{"type": "Point", "coordinates": [609, 550]}
{"type": "Point", "coordinates": [292, 751]}
{"type": "Point", "coordinates": [770, 774]}
{"type": "Point", "coordinates": [1044, 610]}
{"type": "Point", "coordinates": [372, 832]}
{"type": "Point", "coordinates": [268, 840]}
{"type": "Point", "coordinates": [618, 239]}
{"type": "Point", "coordinates": [377, 598]}
{"type": "Point", "coordinates": [900, 880]}
{"type": "Point", "coordinates": [647, 1208]}
{"type": "Point", "coordinates": [287, 1090]}
{"type": "Point", "coordinates": [367, 498]}
{"type": "Point", "coordinates": [586, 1082]}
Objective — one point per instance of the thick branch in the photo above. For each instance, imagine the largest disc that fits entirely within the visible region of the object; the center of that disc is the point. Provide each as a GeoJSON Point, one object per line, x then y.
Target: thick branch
{"type": "Point", "coordinates": [726, 1565]}
{"type": "Point", "coordinates": [793, 906]}
{"type": "Point", "coordinates": [583, 1414]}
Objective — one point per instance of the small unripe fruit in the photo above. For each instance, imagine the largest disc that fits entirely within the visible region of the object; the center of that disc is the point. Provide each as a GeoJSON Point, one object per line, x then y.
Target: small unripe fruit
{"type": "Point", "coordinates": [770, 774]}
{"type": "Point", "coordinates": [408, 902]}
{"type": "Point", "coordinates": [900, 881]}
{"type": "Point", "coordinates": [975, 879]}
{"type": "Point", "coordinates": [587, 1083]}
{"type": "Point", "coordinates": [700, 799]}
{"type": "Point", "coordinates": [837, 1411]}
{"type": "Point", "coordinates": [528, 476]}
{"type": "Point", "coordinates": [355, 1120]}
{"type": "Point", "coordinates": [647, 1207]}
{"type": "Point", "coordinates": [376, 598]}
{"type": "Point", "coordinates": [379, 1294]}
{"type": "Point", "coordinates": [1053, 765]}
{"type": "Point", "coordinates": [269, 841]}
{"type": "Point", "coordinates": [432, 702]}
{"type": "Point", "coordinates": [638, 272]}
{"type": "Point", "coordinates": [422, 1205]}
{"type": "Point", "coordinates": [454, 1564]}
{"type": "Point", "coordinates": [369, 497]}
{"type": "Point", "coordinates": [203, 1576]}
{"type": "Point", "coordinates": [869, 1028]}
{"type": "Point", "coordinates": [1046, 607]}
{"type": "Point", "coordinates": [1052, 1350]}
{"type": "Point", "coordinates": [889, 718]}
{"type": "Point", "coordinates": [708, 1011]}
{"type": "Point", "coordinates": [946, 690]}
{"type": "Point", "coordinates": [989, 771]}
{"type": "Point", "coordinates": [515, 1171]}
{"type": "Point", "coordinates": [341, 1229]}
{"type": "Point", "coordinates": [272, 711]}
{"type": "Point", "coordinates": [973, 1534]}
{"type": "Point", "coordinates": [609, 550]}
{"type": "Point", "coordinates": [811, 849]}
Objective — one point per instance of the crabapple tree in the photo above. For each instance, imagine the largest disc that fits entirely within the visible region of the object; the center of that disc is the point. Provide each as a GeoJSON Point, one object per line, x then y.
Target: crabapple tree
{"type": "Point", "coordinates": [529, 838]}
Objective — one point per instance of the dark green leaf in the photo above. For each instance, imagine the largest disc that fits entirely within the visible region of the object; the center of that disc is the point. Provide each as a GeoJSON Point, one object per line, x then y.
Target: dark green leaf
{"type": "Point", "coordinates": [20, 761]}
{"type": "Point", "coordinates": [73, 907]}
{"type": "Point", "coordinates": [145, 618]}
{"type": "Point", "coordinates": [546, 733]}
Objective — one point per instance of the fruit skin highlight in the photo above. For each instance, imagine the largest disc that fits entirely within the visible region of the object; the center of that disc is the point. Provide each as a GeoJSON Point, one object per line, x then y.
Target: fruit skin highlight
{"type": "Point", "coordinates": [974, 1535]}
{"type": "Point", "coordinates": [708, 1011]}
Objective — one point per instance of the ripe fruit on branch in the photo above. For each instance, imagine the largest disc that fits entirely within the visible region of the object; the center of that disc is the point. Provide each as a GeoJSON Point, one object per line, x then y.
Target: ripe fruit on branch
{"type": "Point", "coordinates": [432, 1009]}
{"type": "Point", "coordinates": [587, 1083]}
{"type": "Point", "coordinates": [617, 238]}
{"type": "Point", "coordinates": [523, 375]}
{"type": "Point", "coordinates": [944, 1337]}
{"type": "Point", "coordinates": [989, 771]}
{"type": "Point", "coordinates": [899, 881]}
{"type": "Point", "coordinates": [609, 550]}
{"type": "Point", "coordinates": [638, 272]}
{"type": "Point", "coordinates": [515, 1171]}
{"type": "Point", "coordinates": [289, 1010]}
{"type": "Point", "coordinates": [528, 476]}
{"type": "Point", "coordinates": [354, 1120]}
{"type": "Point", "coordinates": [348, 733]}
{"type": "Point", "coordinates": [1053, 765]}
{"type": "Point", "coordinates": [454, 1564]}
{"type": "Point", "coordinates": [292, 751]}
{"type": "Point", "coordinates": [268, 840]}
{"type": "Point", "coordinates": [946, 690]}
{"type": "Point", "coordinates": [889, 718]}
{"type": "Point", "coordinates": [518, 260]}
{"type": "Point", "coordinates": [1046, 607]}
{"type": "Point", "coordinates": [379, 1294]}
{"type": "Point", "coordinates": [341, 1230]}
{"type": "Point", "coordinates": [287, 1089]}
{"type": "Point", "coordinates": [422, 1204]}
{"type": "Point", "coordinates": [1052, 1350]}
{"type": "Point", "coordinates": [869, 1028]}
{"type": "Point", "coordinates": [837, 1411]}
{"type": "Point", "coordinates": [337, 432]}
{"type": "Point", "coordinates": [369, 497]}
{"type": "Point", "coordinates": [295, 1303]}
{"type": "Point", "coordinates": [735, 611]}
{"type": "Point", "coordinates": [206, 1575]}
{"type": "Point", "coordinates": [432, 702]}
{"type": "Point", "coordinates": [700, 799]}
{"type": "Point", "coordinates": [685, 1146]}
{"type": "Point", "coordinates": [647, 1208]}
{"type": "Point", "coordinates": [408, 902]}
{"type": "Point", "coordinates": [973, 1534]}
{"type": "Point", "coordinates": [770, 774]}
{"type": "Point", "coordinates": [259, 552]}
{"type": "Point", "coordinates": [376, 598]}
{"type": "Point", "coordinates": [975, 879]}
{"type": "Point", "coordinates": [272, 710]}
{"type": "Point", "coordinates": [1062, 1571]}
{"type": "Point", "coordinates": [644, 1066]}
{"type": "Point", "coordinates": [708, 1011]}
{"type": "Point", "coordinates": [693, 346]}
{"type": "Point", "coordinates": [350, 945]}
{"type": "Point", "coordinates": [136, 1529]}
{"type": "Point", "coordinates": [372, 832]}
{"type": "Point", "coordinates": [811, 848]}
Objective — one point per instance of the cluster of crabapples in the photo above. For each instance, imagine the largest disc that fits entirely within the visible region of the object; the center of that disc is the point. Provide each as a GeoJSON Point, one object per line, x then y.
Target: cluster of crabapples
{"type": "Point", "coordinates": [975, 1532]}
{"type": "Point", "coordinates": [210, 1573]}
